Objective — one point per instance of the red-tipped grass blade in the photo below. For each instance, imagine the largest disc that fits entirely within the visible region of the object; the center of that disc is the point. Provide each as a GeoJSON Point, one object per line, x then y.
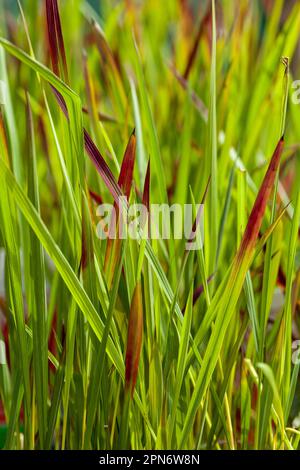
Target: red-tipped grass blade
{"type": "Point", "coordinates": [146, 192]}
{"type": "Point", "coordinates": [94, 154]}
{"type": "Point", "coordinates": [96, 197]}
{"type": "Point", "coordinates": [57, 52]}
{"type": "Point", "coordinates": [125, 182]}
{"type": "Point", "coordinates": [134, 339]}
{"type": "Point", "coordinates": [192, 55]}
{"type": "Point", "coordinates": [56, 41]}
{"type": "Point", "coordinates": [224, 307]}
{"type": "Point", "coordinates": [126, 171]}
{"type": "Point", "coordinates": [255, 220]}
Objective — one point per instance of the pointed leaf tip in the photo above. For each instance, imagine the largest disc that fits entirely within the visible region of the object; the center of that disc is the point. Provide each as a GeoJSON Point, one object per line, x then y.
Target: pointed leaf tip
{"type": "Point", "coordinates": [134, 339]}
{"type": "Point", "coordinates": [146, 191]}
{"type": "Point", "coordinates": [126, 172]}
{"type": "Point", "coordinates": [258, 210]}
{"type": "Point", "coordinates": [55, 40]}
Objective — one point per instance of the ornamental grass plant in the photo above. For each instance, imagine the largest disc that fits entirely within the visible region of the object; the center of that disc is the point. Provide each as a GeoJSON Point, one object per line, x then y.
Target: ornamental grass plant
{"type": "Point", "coordinates": [144, 342]}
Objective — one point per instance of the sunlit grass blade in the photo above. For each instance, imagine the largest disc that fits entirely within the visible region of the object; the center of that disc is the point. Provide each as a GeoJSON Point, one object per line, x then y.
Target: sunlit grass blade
{"type": "Point", "coordinates": [37, 292]}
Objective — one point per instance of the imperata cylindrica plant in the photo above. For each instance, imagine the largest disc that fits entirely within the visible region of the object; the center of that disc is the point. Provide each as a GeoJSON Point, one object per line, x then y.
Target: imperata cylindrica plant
{"type": "Point", "coordinates": [149, 228]}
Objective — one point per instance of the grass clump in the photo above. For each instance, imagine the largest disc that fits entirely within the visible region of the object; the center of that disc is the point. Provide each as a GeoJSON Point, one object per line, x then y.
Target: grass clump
{"type": "Point", "coordinates": [141, 343]}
